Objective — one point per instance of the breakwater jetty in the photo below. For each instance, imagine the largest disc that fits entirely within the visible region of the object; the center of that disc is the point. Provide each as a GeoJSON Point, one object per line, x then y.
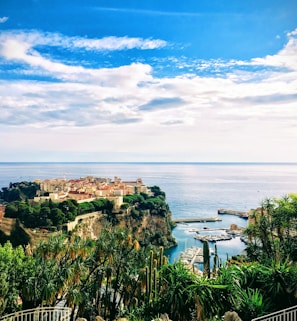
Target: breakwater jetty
{"type": "Point", "coordinates": [197, 219]}
{"type": "Point", "coordinates": [232, 212]}
{"type": "Point", "coordinates": [213, 238]}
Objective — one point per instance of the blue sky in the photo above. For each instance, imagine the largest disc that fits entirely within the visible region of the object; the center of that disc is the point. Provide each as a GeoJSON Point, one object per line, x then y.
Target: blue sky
{"type": "Point", "coordinates": [131, 80]}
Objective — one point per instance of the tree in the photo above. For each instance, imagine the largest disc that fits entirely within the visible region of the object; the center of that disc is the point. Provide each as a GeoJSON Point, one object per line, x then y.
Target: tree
{"type": "Point", "coordinates": [157, 191]}
{"type": "Point", "coordinates": [255, 289]}
{"type": "Point", "coordinates": [57, 217]}
{"type": "Point", "coordinates": [44, 217]}
{"type": "Point", "coordinates": [11, 194]}
{"type": "Point", "coordinates": [11, 210]}
{"type": "Point", "coordinates": [59, 267]}
{"type": "Point", "coordinates": [14, 270]}
{"type": "Point", "coordinates": [176, 296]}
{"type": "Point", "coordinates": [272, 231]}
{"type": "Point", "coordinates": [113, 276]}
{"type": "Point", "coordinates": [19, 191]}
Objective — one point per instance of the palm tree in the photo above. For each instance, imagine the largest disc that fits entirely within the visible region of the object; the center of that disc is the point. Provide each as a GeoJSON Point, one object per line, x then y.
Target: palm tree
{"type": "Point", "coordinates": [176, 297]}
{"type": "Point", "coordinates": [272, 231]}
{"type": "Point", "coordinates": [112, 275]}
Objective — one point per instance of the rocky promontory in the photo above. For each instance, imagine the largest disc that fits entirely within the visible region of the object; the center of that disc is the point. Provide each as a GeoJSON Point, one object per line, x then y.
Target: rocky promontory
{"type": "Point", "coordinates": [142, 210]}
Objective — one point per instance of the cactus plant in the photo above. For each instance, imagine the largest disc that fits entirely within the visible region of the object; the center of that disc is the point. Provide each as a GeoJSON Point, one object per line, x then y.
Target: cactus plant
{"type": "Point", "coordinates": [206, 259]}
{"type": "Point", "coordinates": [215, 261]}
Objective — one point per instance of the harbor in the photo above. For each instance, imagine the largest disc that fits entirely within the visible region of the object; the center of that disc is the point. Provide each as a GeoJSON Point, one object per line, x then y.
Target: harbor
{"type": "Point", "coordinates": [228, 240]}
{"type": "Point", "coordinates": [203, 234]}
{"type": "Point", "coordinates": [193, 255]}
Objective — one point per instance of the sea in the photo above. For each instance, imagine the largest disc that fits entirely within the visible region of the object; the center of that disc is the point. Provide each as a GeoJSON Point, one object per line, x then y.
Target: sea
{"type": "Point", "coordinates": [193, 190]}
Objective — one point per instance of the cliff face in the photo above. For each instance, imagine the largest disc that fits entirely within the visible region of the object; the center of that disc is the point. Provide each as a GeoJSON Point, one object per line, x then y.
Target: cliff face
{"type": "Point", "coordinates": [147, 219]}
{"type": "Point", "coordinates": [147, 228]}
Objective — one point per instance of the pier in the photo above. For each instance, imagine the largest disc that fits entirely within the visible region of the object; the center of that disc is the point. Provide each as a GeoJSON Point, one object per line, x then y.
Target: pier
{"type": "Point", "coordinates": [232, 212]}
{"type": "Point", "coordinates": [208, 229]}
{"type": "Point", "coordinates": [192, 255]}
{"type": "Point", "coordinates": [213, 237]}
{"type": "Point", "coordinates": [197, 219]}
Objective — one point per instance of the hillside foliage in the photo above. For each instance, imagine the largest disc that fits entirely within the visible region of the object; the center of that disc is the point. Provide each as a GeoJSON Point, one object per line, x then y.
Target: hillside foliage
{"type": "Point", "coordinates": [19, 191]}
{"type": "Point", "coordinates": [49, 214]}
{"type": "Point", "coordinates": [113, 276]}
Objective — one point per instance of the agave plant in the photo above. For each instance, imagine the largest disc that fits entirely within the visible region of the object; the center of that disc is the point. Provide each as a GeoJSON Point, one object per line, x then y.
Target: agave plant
{"type": "Point", "coordinates": [252, 304]}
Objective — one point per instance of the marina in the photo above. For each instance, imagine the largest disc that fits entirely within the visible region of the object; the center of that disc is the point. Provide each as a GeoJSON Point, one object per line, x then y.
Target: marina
{"type": "Point", "coordinates": [193, 255]}
{"type": "Point", "coordinates": [212, 233]}
{"type": "Point", "coordinates": [228, 235]}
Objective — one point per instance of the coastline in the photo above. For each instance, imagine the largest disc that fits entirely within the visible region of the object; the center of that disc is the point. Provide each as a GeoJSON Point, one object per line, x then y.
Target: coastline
{"type": "Point", "coordinates": [192, 189]}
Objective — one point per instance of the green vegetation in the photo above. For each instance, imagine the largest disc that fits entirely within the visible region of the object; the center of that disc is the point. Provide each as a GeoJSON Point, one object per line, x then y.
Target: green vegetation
{"type": "Point", "coordinates": [272, 233]}
{"type": "Point", "coordinates": [114, 276]}
{"type": "Point", "coordinates": [109, 271]}
{"type": "Point", "coordinates": [19, 191]}
{"type": "Point", "coordinates": [156, 204]}
{"type": "Point", "coordinates": [206, 259]}
{"type": "Point", "coordinates": [48, 214]}
{"type": "Point", "coordinates": [15, 266]}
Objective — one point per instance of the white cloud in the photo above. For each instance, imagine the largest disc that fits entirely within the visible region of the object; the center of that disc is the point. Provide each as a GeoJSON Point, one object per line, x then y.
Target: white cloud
{"type": "Point", "coordinates": [116, 43]}
{"type": "Point", "coordinates": [99, 109]}
{"type": "Point", "coordinates": [3, 19]}
{"type": "Point", "coordinates": [34, 38]}
{"type": "Point", "coordinates": [19, 46]}
{"type": "Point", "coordinates": [292, 33]}
{"type": "Point", "coordinates": [286, 58]}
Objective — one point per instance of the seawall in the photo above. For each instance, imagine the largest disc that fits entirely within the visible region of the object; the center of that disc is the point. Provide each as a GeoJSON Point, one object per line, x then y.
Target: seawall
{"type": "Point", "coordinates": [232, 212]}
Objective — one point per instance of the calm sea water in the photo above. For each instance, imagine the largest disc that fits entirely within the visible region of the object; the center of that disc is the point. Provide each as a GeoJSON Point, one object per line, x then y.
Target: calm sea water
{"type": "Point", "coordinates": [192, 189]}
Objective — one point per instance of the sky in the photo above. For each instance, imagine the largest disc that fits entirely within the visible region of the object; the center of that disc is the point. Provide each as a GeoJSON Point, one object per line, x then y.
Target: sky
{"type": "Point", "coordinates": [148, 81]}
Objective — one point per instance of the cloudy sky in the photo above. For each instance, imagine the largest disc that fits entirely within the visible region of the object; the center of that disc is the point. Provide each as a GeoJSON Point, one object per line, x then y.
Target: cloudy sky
{"type": "Point", "coordinates": [151, 80]}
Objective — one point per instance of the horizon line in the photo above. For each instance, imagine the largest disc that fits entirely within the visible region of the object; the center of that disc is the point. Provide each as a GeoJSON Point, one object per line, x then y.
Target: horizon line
{"type": "Point", "coordinates": [151, 162]}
